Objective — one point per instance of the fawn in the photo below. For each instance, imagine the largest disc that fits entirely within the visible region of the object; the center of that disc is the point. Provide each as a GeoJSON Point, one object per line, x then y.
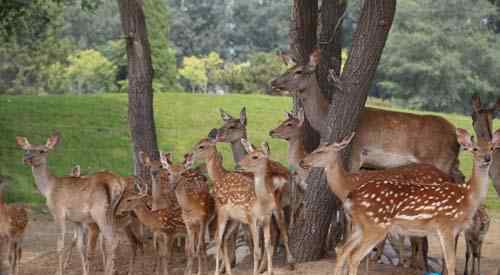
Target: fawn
{"type": "Point", "coordinates": [82, 200]}
{"type": "Point", "coordinates": [166, 222]}
{"type": "Point", "coordinates": [13, 222]}
{"type": "Point", "coordinates": [191, 190]}
{"type": "Point", "coordinates": [383, 205]}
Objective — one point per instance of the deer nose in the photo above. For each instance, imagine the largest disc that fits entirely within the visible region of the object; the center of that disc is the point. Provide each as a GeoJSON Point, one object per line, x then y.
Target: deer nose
{"type": "Point", "coordinates": [271, 133]}
{"type": "Point", "coordinates": [487, 158]}
{"type": "Point", "coordinates": [302, 163]}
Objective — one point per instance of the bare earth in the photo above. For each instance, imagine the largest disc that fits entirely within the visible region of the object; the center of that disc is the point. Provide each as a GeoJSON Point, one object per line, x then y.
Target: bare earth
{"type": "Point", "coordinates": [39, 256]}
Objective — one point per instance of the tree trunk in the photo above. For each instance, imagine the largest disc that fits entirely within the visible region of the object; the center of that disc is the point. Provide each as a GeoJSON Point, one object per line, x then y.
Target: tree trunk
{"type": "Point", "coordinates": [140, 91]}
{"type": "Point", "coordinates": [368, 43]}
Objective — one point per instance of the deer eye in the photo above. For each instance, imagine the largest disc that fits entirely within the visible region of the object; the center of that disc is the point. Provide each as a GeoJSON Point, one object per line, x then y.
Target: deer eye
{"type": "Point", "coordinates": [298, 72]}
{"type": "Point", "coordinates": [255, 157]}
{"type": "Point", "coordinates": [42, 151]}
{"type": "Point", "coordinates": [289, 125]}
{"type": "Point", "coordinates": [201, 147]}
{"type": "Point", "coordinates": [475, 149]}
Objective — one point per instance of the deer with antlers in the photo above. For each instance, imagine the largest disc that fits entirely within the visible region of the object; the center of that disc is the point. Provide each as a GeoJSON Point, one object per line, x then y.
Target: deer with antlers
{"type": "Point", "coordinates": [191, 190]}
{"type": "Point", "coordinates": [236, 199]}
{"type": "Point", "coordinates": [165, 222]}
{"type": "Point", "coordinates": [13, 222]}
{"type": "Point", "coordinates": [81, 200]}
{"type": "Point", "coordinates": [405, 206]}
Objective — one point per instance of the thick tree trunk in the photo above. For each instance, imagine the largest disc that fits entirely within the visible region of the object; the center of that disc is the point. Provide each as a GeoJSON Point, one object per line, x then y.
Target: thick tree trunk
{"type": "Point", "coordinates": [368, 43]}
{"type": "Point", "coordinates": [140, 91]}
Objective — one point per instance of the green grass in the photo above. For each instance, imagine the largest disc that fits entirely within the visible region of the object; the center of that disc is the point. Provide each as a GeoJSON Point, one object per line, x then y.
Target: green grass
{"type": "Point", "coordinates": [95, 132]}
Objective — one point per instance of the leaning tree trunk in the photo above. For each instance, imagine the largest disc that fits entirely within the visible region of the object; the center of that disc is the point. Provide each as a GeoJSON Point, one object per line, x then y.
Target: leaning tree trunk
{"type": "Point", "coordinates": [140, 91]}
{"type": "Point", "coordinates": [354, 83]}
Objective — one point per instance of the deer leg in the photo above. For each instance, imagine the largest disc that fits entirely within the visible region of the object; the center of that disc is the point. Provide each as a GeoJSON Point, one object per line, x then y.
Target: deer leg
{"type": "Point", "coordinates": [12, 256]}
{"type": "Point", "coordinates": [447, 242]}
{"type": "Point", "coordinates": [221, 226]}
{"type": "Point", "coordinates": [200, 247]}
{"type": "Point", "coordinates": [268, 244]}
{"type": "Point", "coordinates": [256, 250]}
{"type": "Point", "coordinates": [190, 249]}
{"type": "Point", "coordinates": [371, 237]}
{"type": "Point", "coordinates": [82, 248]}
{"type": "Point", "coordinates": [280, 219]}
{"type": "Point", "coordinates": [227, 239]}
{"type": "Point", "coordinates": [134, 243]}
{"type": "Point", "coordinates": [347, 248]}
{"type": "Point", "coordinates": [60, 246]}
{"type": "Point", "coordinates": [468, 253]}
{"type": "Point", "coordinates": [169, 245]}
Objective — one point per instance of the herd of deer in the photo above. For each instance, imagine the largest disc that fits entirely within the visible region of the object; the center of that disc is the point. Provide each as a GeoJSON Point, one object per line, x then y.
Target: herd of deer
{"type": "Point", "coordinates": [420, 191]}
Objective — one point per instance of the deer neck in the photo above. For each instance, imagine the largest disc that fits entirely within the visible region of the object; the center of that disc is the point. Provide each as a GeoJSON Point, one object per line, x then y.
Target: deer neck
{"type": "Point", "coordinates": [238, 151]}
{"type": "Point", "coordinates": [263, 183]}
{"type": "Point", "coordinates": [478, 185]}
{"type": "Point", "coordinates": [44, 180]}
{"type": "Point", "coordinates": [296, 150]}
{"type": "Point", "coordinates": [215, 168]}
{"type": "Point", "coordinates": [315, 104]}
{"type": "Point", "coordinates": [143, 214]}
{"type": "Point", "coordinates": [337, 178]}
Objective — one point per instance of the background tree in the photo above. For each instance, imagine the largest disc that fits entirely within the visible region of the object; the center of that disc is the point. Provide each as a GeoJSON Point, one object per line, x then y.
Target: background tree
{"type": "Point", "coordinates": [140, 81]}
{"type": "Point", "coordinates": [374, 24]}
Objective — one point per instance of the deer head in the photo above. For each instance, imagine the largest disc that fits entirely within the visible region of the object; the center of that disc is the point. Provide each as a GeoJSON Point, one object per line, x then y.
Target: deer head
{"type": "Point", "coordinates": [291, 128]}
{"type": "Point", "coordinates": [234, 129]}
{"type": "Point", "coordinates": [36, 155]}
{"type": "Point", "coordinates": [174, 171]}
{"type": "Point", "coordinates": [482, 149]}
{"type": "Point", "coordinates": [482, 117]}
{"type": "Point", "coordinates": [203, 150]}
{"type": "Point", "coordinates": [298, 78]}
{"type": "Point", "coordinates": [255, 160]}
{"type": "Point", "coordinates": [132, 201]}
{"type": "Point", "coordinates": [325, 153]}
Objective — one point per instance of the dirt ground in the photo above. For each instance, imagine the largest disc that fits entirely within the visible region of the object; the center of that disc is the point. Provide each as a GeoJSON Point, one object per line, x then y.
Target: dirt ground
{"type": "Point", "coordinates": [39, 256]}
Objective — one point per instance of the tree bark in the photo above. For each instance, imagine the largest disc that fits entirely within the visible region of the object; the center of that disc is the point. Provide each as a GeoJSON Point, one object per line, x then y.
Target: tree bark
{"type": "Point", "coordinates": [140, 90]}
{"type": "Point", "coordinates": [368, 43]}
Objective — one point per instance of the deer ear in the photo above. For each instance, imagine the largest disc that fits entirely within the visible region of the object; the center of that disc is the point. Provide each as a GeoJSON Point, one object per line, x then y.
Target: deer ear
{"type": "Point", "coordinates": [288, 115]}
{"type": "Point", "coordinates": [23, 143]}
{"type": "Point", "coordinates": [243, 116]}
{"type": "Point", "coordinates": [248, 146]}
{"type": "Point", "coordinates": [165, 159]}
{"type": "Point", "coordinates": [265, 148]}
{"type": "Point", "coordinates": [188, 160]}
{"type": "Point", "coordinates": [286, 58]}
{"type": "Point", "coordinates": [343, 144]}
{"type": "Point", "coordinates": [301, 117]}
{"type": "Point", "coordinates": [53, 140]}
{"type": "Point", "coordinates": [144, 158]}
{"type": "Point", "coordinates": [224, 115]}
{"type": "Point", "coordinates": [476, 103]}
{"type": "Point", "coordinates": [464, 139]}
{"type": "Point", "coordinates": [75, 172]}
{"type": "Point", "coordinates": [314, 59]}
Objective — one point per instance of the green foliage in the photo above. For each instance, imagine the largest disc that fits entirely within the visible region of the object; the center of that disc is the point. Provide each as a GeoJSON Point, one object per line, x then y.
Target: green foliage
{"type": "Point", "coordinates": [88, 71]}
{"type": "Point", "coordinates": [263, 67]}
{"type": "Point", "coordinates": [194, 70]}
{"type": "Point", "coordinates": [163, 56]}
{"type": "Point", "coordinates": [439, 53]}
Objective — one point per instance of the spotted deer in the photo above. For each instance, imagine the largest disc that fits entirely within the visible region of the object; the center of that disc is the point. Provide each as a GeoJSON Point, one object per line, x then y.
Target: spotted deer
{"type": "Point", "coordinates": [191, 190]}
{"type": "Point", "coordinates": [384, 205]}
{"type": "Point", "coordinates": [341, 182]}
{"type": "Point", "coordinates": [80, 200]}
{"type": "Point", "coordinates": [385, 139]}
{"type": "Point", "coordinates": [237, 199]}
{"type": "Point", "coordinates": [13, 222]}
{"type": "Point", "coordinates": [166, 222]}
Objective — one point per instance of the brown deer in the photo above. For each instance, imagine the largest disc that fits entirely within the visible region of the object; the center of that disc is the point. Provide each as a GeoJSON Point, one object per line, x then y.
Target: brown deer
{"type": "Point", "coordinates": [13, 222]}
{"type": "Point", "coordinates": [386, 138]}
{"type": "Point", "coordinates": [165, 222]}
{"type": "Point", "coordinates": [126, 226]}
{"type": "Point", "coordinates": [236, 200]}
{"type": "Point", "coordinates": [482, 122]}
{"type": "Point", "coordinates": [81, 200]}
{"type": "Point", "coordinates": [383, 205]}
{"type": "Point", "coordinates": [191, 190]}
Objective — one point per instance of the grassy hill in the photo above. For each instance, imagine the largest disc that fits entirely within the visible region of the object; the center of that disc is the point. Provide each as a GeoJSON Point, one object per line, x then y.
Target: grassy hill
{"type": "Point", "coordinates": [95, 132]}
